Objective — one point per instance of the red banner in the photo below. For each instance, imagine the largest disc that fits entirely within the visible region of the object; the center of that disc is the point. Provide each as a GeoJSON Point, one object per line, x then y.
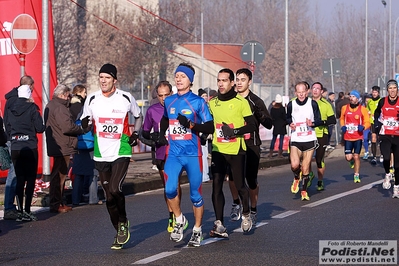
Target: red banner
{"type": "Point", "coordinates": [10, 67]}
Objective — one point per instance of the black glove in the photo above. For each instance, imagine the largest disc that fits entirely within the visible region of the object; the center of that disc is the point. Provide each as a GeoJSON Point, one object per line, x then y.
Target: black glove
{"type": "Point", "coordinates": [183, 121]}
{"type": "Point", "coordinates": [154, 136]}
{"type": "Point", "coordinates": [133, 139]}
{"type": "Point", "coordinates": [162, 141]}
{"type": "Point", "coordinates": [85, 124]}
{"type": "Point", "coordinates": [227, 131]}
{"type": "Point", "coordinates": [203, 139]}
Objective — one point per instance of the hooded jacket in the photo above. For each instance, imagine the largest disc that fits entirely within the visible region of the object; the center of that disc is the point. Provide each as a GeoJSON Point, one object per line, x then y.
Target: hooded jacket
{"type": "Point", "coordinates": [61, 130]}
{"type": "Point", "coordinates": [24, 121]}
{"type": "Point", "coordinates": [10, 97]}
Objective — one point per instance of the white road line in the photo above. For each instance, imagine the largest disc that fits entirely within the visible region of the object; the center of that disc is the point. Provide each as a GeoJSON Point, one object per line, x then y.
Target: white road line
{"type": "Point", "coordinates": [157, 257]}
{"type": "Point", "coordinates": [343, 194]}
{"type": "Point", "coordinates": [284, 214]}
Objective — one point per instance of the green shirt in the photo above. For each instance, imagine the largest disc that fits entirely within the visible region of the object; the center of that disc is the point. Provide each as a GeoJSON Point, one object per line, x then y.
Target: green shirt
{"type": "Point", "coordinates": [231, 112]}
{"type": "Point", "coordinates": [326, 110]}
{"type": "Point", "coordinates": [371, 106]}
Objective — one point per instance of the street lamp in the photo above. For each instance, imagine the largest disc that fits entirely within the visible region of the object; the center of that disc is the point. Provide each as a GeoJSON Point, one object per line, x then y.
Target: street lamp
{"type": "Point", "coordinates": [366, 52]}
{"type": "Point", "coordinates": [385, 43]}
{"type": "Point", "coordinates": [394, 51]}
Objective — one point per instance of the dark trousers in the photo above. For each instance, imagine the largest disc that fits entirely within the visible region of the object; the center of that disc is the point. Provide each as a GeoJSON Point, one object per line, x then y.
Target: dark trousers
{"type": "Point", "coordinates": [57, 180]}
{"type": "Point", "coordinates": [25, 165]}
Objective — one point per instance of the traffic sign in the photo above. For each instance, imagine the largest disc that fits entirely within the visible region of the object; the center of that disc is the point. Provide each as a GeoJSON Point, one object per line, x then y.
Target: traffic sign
{"type": "Point", "coordinates": [252, 52]}
{"type": "Point", "coordinates": [24, 33]}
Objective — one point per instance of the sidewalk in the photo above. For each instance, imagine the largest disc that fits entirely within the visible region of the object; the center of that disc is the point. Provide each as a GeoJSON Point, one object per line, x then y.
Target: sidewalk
{"type": "Point", "coordinates": [141, 177]}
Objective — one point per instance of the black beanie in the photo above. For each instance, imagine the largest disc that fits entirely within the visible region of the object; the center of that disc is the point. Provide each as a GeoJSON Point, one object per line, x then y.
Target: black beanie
{"type": "Point", "coordinates": [109, 69]}
{"type": "Point", "coordinates": [201, 91]}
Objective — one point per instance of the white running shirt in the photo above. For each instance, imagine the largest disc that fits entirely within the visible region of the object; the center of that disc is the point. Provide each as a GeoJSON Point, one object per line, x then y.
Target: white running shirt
{"type": "Point", "coordinates": [109, 116]}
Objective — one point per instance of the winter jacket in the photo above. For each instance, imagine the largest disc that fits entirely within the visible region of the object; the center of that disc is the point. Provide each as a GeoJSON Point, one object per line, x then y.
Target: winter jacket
{"type": "Point", "coordinates": [279, 117]}
{"type": "Point", "coordinates": [11, 97]}
{"type": "Point", "coordinates": [61, 130]}
{"type": "Point", "coordinates": [76, 106]}
{"type": "Point", "coordinates": [24, 121]}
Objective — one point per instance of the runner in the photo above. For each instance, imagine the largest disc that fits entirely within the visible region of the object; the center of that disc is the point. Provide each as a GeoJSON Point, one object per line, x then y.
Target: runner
{"type": "Point", "coordinates": [303, 115]}
{"type": "Point", "coordinates": [386, 123]}
{"type": "Point", "coordinates": [354, 120]}
{"type": "Point", "coordinates": [186, 114]}
{"type": "Point", "coordinates": [328, 118]}
{"type": "Point", "coordinates": [233, 118]}
{"type": "Point", "coordinates": [151, 123]}
{"type": "Point", "coordinates": [253, 142]}
{"type": "Point", "coordinates": [371, 106]}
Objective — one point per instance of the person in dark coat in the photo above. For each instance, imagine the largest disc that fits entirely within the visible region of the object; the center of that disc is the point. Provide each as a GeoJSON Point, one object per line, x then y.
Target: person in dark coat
{"type": "Point", "coordinates": [278, 114]}
{"type": "Point", "coordinates": [61, 140]}
{"type": "Point", "coordinates": [23, 123]}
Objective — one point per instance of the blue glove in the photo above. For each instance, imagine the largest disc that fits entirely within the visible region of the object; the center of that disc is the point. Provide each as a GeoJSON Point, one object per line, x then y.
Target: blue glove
{"type": "Point", "coordinates": [360, 128]}
{"type": "Point", "coordinates": [343, 129]}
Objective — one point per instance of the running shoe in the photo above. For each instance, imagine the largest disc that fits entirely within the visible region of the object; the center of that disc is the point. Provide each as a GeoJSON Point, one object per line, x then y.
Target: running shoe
{"type": "Point", "coordinates": [218, 230]}
{"type": "Point", "coordinates": [381, 158]}
{"type": "Point", "coordinates": [236, 211]}
{"type": "Point", "coordinates": [304, 195]}
{"type": "Point", "coordinates": [196, 238]}
{"type": "Point", "coordinates": [254, 217]}
{"type": "Point", "coordinates": [365, 156]}
{"type": "Point", "coordinates": [26, 217]}
{"type": "Point", "coordinates": [116, 245]}
{"type": "Point", "coordinates": [373, 161]}
{"type": "Point", "coordinates": [177, 233]}
{"type": "Point", "coordinates": [356, 178]}
{"type": "Point", "coordinates": [386, 184]}
{"type": "Point", "coordinates": [154, 167]}
{"type": "Point", "coordinates": [352, 164]}
{"type": "Point", "coordinates": [320, 185]}
{"type": "Point", "coordinates": [295, 186]}
{"type": "Point", "coordinates": [311, 176]}
{"type": "Point", "coordinates": [123, 234]}
{"type": "Point", "coordinates": [171, 224]}
{"type": "Point", "coordinates": [246, 223]}
{"type": "Point", "coordinates": [395, 192]}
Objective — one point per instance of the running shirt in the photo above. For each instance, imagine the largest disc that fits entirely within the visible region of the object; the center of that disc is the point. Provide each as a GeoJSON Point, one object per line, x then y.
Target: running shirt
{"type": "Point", "coordinates": [326, 111]}
{"type": "Point", "coordinates": [151, 123]}
{"type": "Point", "coordinates": [389, 118]}
{"type": "Point", "coordinates": [185, 141]}
{"type": "Point", "coordinates": [231, 112]}
{"type": "Point", "coordinates": [352, 118]}
{"type": "Point", "coordinates": [109, 116]}
{"type": "Point", "coordinates": [299, 115]}
{"type": "Point", "coordinates": [371, 106]}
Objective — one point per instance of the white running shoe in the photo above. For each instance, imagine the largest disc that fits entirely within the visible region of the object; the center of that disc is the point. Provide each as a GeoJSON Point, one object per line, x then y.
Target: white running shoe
{"type": "Point", "coordinates": [395, 192]}
{"type": "Point", "coordinates": [177, 233]}
{"type": "Point", "coordinates": [246, 224]}
{"type": "Point", "coordinates": [381, 158]}
{"type": "Point", "coordinates": [218, 230]}
{"type": "Point", "coordinates": [386, 184]}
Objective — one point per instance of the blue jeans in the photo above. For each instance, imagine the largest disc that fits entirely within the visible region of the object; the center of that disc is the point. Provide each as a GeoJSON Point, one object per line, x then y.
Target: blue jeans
{"type": "Point", "coordinates": [78, 184]}
{"type": "Point", "coordinates": [11, 184]}
{"type": "Point", "coordinates": [280, 145]}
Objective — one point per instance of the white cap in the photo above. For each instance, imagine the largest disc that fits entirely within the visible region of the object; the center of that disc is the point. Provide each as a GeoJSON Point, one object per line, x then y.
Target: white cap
{"type": "Point", "coordinates": [279, 99]}
{"type": "Point", "coordinates": [24, 91]}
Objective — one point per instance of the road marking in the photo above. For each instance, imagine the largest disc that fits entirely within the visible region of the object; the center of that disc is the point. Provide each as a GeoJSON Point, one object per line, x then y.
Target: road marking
{"type": "Point", "coordinates": [284, 214]}
{"type": "Point", "coordinates": [157, 257]}
{"type": "Point", "coordinates": [340, 195]}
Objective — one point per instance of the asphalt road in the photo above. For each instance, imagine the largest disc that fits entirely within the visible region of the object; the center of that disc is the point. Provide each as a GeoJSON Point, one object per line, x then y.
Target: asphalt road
{"type": "Point", "coordinates": [288, 230]}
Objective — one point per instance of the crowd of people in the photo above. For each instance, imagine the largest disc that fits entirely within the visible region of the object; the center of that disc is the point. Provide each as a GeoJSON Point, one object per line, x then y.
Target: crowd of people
{"type": "Point", "coordinates": [88, 137]}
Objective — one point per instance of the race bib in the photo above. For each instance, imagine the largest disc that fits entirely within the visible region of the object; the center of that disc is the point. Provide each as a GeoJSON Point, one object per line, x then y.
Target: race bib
{"type": "Point", "coordinates": [302, 129]}
{"type": "Point", "coordinates": [351, 128]}
{"type": "Point", "coordinates": [391, 123]}
{"type": "Point", "coordinates": [110, 128]}
{"type": "Point", "coordinates": [178, 132]}
{"type": "Point", "coordinates": [220, 137]}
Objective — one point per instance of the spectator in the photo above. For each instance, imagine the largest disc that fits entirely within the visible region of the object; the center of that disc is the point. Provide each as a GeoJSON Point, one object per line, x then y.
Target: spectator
{"type": "Point", "coordinates": [279, 117]}
{"type": "Point", "coordinates": [61, 140]}
{"type": "Point", "coordinates": [23, 123]}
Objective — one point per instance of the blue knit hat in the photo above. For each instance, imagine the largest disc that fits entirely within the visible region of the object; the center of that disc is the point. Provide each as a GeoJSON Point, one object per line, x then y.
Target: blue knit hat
{"type": "Point", "coordinates": [187, 71]}
{"type": "Point", "coordinates": [355, 93]}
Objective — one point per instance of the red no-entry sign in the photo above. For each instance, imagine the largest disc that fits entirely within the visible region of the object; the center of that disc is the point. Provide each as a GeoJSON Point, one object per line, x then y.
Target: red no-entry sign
{"type": "Point", "coordinates": [24, 33]}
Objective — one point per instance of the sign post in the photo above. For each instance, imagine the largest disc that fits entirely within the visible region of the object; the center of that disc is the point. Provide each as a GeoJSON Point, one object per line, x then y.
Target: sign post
{"type": "Point", "coordinates": [253, 53]}
{"type": "Point", "coordinates": [24, 34]}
